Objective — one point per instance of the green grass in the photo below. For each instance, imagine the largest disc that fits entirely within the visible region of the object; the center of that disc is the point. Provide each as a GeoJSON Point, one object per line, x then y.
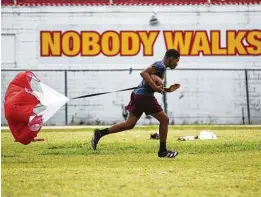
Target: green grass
{"type": "Point", "coordinates": [126, 164]}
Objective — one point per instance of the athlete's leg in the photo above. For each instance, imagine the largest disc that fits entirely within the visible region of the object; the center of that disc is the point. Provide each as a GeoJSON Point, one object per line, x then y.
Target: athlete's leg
{"type": "Point", "coordinates": [122, 126]}
{"type": "Point", "coordinates": [163, 127]}
{"type": "Point", "coordinates": [163, 132]}
{"type": "Point", "coordinates": [126, 125]}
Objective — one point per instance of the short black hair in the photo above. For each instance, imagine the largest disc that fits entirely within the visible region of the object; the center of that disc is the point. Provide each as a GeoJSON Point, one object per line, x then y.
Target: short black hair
{"type": "Point", "coordinates": [172, 53]}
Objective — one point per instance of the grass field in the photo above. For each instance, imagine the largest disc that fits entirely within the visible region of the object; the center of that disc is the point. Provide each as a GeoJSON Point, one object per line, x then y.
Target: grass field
{"type": "Point", "coordinates": [126, 164]}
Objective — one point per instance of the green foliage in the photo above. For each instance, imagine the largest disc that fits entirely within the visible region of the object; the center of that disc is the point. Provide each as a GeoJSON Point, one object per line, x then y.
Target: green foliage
{"type": "Point", "coordinates": [126, 164]}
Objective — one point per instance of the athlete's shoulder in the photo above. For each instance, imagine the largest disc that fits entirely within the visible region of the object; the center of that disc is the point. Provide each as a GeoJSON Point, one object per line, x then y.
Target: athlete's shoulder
{"type": "Point", "coordinates": [158, 63]}
{"type": "Point", "coordinates": [159, 66]}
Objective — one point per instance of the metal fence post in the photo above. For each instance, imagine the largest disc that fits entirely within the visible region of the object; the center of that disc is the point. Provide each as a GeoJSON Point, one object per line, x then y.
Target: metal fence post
{"type": "Point", "coordinates": [247, 97]}
{"type": "Point", "coordinates": [65, 92]}
{"type": "Point", "coordinates": [165, 102]}
{"type": "Point", "coordinates": [243, 115]}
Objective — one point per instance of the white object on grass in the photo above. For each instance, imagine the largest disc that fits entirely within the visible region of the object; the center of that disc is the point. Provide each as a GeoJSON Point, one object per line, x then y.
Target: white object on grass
{"type": "Point", "coordinates": [207, 135]}
{"type": "Point", "coordinates": [186, 138]}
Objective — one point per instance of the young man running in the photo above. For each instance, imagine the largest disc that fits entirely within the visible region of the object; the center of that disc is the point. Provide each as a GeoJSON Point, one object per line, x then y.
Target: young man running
{"type": "Point", "coordinates": [143, 100]}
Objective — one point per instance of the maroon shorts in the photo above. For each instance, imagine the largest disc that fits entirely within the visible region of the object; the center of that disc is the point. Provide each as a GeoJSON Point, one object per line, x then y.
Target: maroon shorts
{"type": "Point", "coordinates": [141, 103]}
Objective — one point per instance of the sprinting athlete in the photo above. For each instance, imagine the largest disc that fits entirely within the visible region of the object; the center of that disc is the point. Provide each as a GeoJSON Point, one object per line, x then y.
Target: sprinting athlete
{"type": "Point", "coordinates": [142, 100]}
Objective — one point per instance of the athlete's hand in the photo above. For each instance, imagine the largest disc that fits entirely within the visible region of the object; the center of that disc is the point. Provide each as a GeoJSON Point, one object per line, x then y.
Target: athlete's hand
{"type": "Point", "coordinates": [172, 88]}
{"type": "Point", "coordinates": [159, 89]}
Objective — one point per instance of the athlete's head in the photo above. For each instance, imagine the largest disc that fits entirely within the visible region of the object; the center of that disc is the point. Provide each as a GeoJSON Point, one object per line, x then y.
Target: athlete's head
{"type": "Point", "coordinates": [171, 58]}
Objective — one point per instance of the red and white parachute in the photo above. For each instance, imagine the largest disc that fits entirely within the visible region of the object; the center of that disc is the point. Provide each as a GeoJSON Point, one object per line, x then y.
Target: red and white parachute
{"type": "Point", "coordinates": [27, 108]}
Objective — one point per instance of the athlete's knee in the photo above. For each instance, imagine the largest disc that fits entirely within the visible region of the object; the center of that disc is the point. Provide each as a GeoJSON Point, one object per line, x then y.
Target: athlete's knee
{"type": "Point", "coordinates": [164, 120]}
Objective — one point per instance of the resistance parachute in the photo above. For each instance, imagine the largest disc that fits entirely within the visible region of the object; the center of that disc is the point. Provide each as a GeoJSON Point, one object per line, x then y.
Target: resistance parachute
{"type": "Point", "coordinates": [28, 104]}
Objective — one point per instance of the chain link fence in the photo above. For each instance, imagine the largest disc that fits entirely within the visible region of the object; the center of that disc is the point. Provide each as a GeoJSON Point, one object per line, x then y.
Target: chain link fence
{"type": "Point", "coordinates": [206, 96]}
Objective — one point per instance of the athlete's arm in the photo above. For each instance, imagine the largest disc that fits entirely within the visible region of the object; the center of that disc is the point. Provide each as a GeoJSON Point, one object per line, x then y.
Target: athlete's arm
{"type": "Point", "coordinates": [145, 74]}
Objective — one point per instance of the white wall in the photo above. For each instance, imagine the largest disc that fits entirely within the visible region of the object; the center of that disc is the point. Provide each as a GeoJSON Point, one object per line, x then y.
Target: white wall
{"type": "Point", "coordinates": [209, 96]}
